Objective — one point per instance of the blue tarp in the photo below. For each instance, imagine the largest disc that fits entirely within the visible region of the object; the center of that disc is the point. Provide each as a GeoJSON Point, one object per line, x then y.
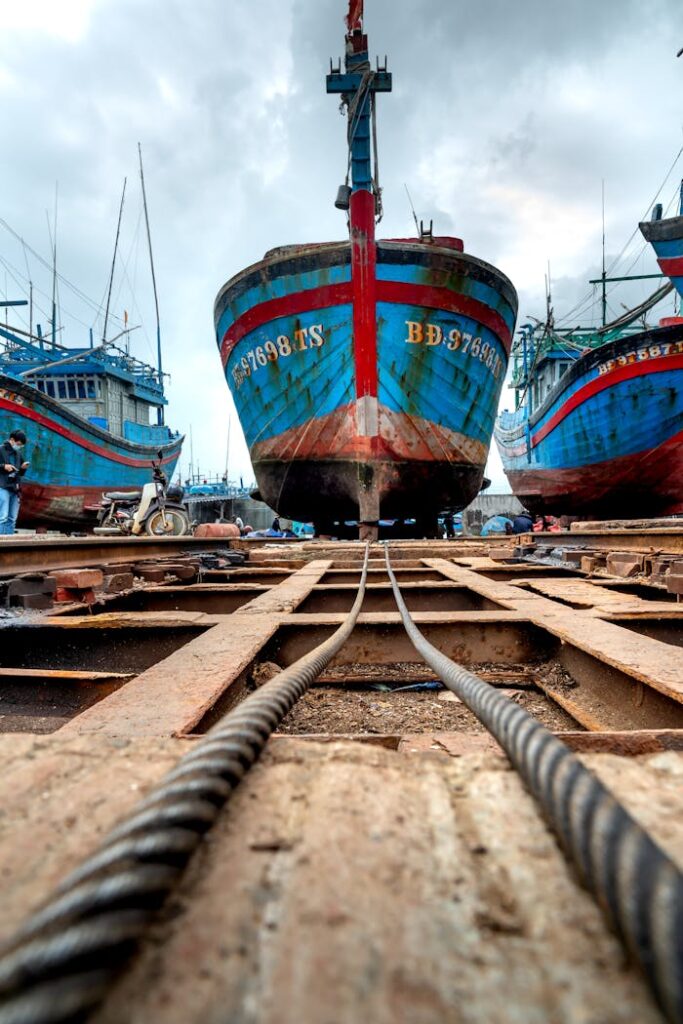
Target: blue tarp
{"type": "Point", "coordinates": [496, 524]}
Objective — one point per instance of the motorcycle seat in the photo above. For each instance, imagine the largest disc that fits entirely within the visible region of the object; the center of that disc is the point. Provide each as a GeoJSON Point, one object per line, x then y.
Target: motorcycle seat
{"type": "Point", "coordinates": [123, 495]}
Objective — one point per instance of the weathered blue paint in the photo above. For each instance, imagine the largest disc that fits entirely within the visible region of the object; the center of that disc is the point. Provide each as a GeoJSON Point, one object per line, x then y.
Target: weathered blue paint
{"type": "Point", "coordinates": [71, 461]}
{"type": "Point", "coordinates": [436, 405]}
{"type": "Point", "coordinates": [608, 439]}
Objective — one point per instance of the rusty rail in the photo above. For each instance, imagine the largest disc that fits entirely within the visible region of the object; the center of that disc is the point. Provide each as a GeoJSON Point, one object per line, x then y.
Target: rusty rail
{"type": "Point", "coordinates": [19, 555]}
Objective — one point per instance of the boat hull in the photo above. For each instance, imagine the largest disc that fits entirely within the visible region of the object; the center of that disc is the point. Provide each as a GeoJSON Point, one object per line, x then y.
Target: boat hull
{"type": "Point", "coordinates": [420, 440]}
{"type": "Point", "coordinates": [72, 462]}
{"type": "Point", "coordinates": [608, 440]}
{"type": "Point", "coordinates": [666, 238]}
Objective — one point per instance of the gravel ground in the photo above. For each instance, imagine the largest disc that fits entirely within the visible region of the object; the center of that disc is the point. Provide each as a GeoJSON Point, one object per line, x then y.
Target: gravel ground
{"type": "Point", "coordinates": [336, 710]}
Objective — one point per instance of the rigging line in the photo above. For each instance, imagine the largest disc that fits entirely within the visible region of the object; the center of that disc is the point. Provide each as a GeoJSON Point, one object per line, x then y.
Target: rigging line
{"type": "Point", "coordinates": [615, 261]}
{"type": "Point", "coordinates": [125, 278]}
{"type": "Point", "coordinates": [647, 208]}
{"type": "Point", "coordinates": [48, 266]}
{"type": "Point", "coordinates": [113, 262]}
{"type": "Point", "coordinates": [9, 269]}
{"type": "Point", "coordinates": [38, 290]}
{"type": "Point", "coordinates": [135, 305]}
{"type": "Point", "coordinates": [151, 266]}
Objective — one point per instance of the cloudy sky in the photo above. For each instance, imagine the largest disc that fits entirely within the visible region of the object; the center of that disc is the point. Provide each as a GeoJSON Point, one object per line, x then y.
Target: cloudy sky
{"type": "Point", "coordinates": [504, 121]}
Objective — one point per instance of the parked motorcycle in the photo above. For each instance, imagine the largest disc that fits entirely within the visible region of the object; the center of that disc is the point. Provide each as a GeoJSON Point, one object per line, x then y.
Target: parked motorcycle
{"type": "Point", "coordinates": [156, 510]}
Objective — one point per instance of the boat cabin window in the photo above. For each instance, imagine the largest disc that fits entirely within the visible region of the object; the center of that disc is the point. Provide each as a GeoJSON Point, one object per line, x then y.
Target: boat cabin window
{"type": "Point", "coordinates": [74, 388]}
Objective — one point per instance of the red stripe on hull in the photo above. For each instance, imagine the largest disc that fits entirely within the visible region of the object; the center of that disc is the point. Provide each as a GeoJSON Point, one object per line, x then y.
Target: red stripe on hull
{"type": "Point", "coordinates": [647, 483]}
{"type": "Point", "coordinates": [599, 384]}
{"type": "Point", "coordinates": [672, 266]}
{"type": "Point", "coordinates": [397, 292]}
{"type": "Point", "coordinates": [60, 505]}
{"type": "Point", "coordinates": [288, 305]}
{"type": "Point", "coordinates": [363, 276]}
{"type": "Point", "coordinates": [106, 453]}
{"type": "Point", "coordinates": [401, 438]}
{"type": "Point", "coordinates": [443, 298]}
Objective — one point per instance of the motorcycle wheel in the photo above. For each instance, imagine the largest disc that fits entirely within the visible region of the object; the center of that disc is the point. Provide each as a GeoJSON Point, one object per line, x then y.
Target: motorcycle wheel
{"type": "Point", "coordinates": [177, 524]}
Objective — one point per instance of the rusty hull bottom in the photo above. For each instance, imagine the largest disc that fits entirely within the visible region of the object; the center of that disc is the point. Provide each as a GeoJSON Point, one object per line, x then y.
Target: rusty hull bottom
{"type": "Point", "coordinates": [328, 491]}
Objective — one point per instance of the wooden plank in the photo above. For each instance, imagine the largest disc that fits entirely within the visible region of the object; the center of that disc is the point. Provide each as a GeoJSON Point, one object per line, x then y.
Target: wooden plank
{"type": "Point", "coordinates": [58, 675]}
{"type": "Point", "coordinates": [653, 662]}
{"type": "Point", "coordinates": [352, 883]}
{"type": "Point", "coordinates": [174, 696]}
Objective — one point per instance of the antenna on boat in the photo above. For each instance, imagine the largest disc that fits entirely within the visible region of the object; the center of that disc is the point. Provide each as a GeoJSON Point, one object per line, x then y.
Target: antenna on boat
{"type": "Point", "coordinates": [548, 301]}
{"type": "Point", "coordinates": [417, 226]}
{"type": "Point", "coordinates": [604, 273]}
{"type": "Point", "coordinates": [113, 263]}
{"type": "Point", "coordinates": [160, 408]}
{"type": "Point", "coordinates": [53, 247]}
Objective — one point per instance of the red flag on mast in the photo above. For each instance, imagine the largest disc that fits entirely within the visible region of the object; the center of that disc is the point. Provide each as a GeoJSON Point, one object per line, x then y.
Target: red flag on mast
{"type": "Point", "coordinates": [355, 15]}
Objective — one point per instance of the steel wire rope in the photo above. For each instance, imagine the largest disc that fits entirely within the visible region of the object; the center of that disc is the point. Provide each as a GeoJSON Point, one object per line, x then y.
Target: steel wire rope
{"type": "Point", "coordinates": [637, 885]}
{"type": "Point", "coordinates": [59, 965]}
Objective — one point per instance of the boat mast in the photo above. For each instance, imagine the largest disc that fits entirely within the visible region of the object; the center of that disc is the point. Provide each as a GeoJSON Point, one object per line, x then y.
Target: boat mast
{"type": "Point", "coordinates": [53, 245]}
{"type": "Point", "coordinates": [357, 85]}
{"type": "Point", "coordinates": [604, 273]}
{"type": "Point", "coordinates": [160, 408]}
{"type": "Point", "coordinates": [113, 264]}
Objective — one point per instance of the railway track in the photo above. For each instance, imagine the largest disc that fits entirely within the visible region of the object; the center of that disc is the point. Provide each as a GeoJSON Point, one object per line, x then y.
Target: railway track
{"type": "Point", "coordinates": [191, 681]}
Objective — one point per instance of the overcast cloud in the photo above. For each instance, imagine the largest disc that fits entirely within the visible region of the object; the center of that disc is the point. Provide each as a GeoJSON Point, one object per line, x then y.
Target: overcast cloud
{"type": "Point", "coordinates": [504, 120]}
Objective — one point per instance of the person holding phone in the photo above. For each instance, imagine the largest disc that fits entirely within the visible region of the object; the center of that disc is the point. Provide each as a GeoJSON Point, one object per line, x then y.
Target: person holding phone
{"type": "Point", "coordinates": [12, 468]}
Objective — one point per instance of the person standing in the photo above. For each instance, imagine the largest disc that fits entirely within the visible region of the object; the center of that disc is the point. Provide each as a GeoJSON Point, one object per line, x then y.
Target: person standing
{"type": "Point", "coordinates": [12, 468]}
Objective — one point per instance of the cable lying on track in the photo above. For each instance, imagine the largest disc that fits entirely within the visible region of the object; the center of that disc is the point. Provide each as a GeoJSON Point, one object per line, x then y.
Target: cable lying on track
{"type": "Point", "coordinates": [60, 964]}
{"type": "Point", "coordinates": [637, 885]}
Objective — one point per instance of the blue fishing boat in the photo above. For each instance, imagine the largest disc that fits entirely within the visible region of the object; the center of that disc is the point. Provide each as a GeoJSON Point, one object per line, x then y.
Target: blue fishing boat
{"type": "Point", "coordinates": [93, 417]}
{"type": "Point", "coordinates": [366, 374]}
{"type": "Point", "coordinates": [87, 423]}
{"type": "Point", "coordinates": [598, 427]}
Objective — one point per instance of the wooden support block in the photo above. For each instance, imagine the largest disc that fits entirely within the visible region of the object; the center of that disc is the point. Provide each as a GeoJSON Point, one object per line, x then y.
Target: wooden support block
{"type": "Point", "coordinates": [115, 569]}
{"type": "Point", "coordinates": [182, 571]}
{"type": "Point", "coordinates": [24, 586]}
{"type": "Point", "coordinates": [502, 555]}
{"type": "Point", "coordinates": [34, 601]}
{"type": "Point", "coordinates": [118, 582]}
{"type": "Point", "coordinates": [623, 563]}
{"type": "Point", "coordinates": [79, 579]}
{"type": "Point", "coordinates": [674, 582]}
{"type": "Point", "coordinates": [152, 574]}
